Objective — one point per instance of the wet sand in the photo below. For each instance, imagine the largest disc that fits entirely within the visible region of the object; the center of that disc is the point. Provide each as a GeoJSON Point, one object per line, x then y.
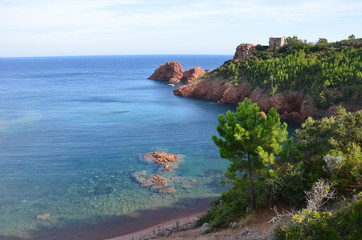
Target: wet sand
{"type": "Point", "coordinates": [164, 225]}
{"type": "Point", "coordinates": [166, 218]}
{"type": "Point", "coordinates": [125, 227]}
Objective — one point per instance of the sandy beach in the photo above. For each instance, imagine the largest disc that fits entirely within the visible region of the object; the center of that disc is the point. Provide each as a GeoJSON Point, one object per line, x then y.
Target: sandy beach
{"type": "Point", "coordinates": [149, 231]}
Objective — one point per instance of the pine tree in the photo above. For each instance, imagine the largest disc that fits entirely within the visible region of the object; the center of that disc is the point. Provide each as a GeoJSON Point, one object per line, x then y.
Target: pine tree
{"type": "Point", "coordinates": [251, 141]}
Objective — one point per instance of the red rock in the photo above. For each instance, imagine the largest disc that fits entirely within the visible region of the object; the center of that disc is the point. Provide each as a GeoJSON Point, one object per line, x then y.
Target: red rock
{"type": "Point", "coordinates": [292, 106]}
{"type": "Point", "coordinates": [167, 191]}
{"type": "Point", "coordinates": [158, 181]}
{"type": "Point", "coordinates": [162, 157]}
{"type": "Point", "coordinates": [171, 71]}
{"type": "Point", "coordinates": [192, 74]}
{"type": "Point", "coordinates": [244, 51]}
{"type": "Point", "coordinates": [167, 167]}
{"type": "Point", "coordinates": [154, 181]}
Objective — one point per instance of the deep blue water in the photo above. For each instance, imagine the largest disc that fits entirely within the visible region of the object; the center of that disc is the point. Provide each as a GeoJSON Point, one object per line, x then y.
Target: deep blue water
{"type": "Point", "coordinates": [73, 130]}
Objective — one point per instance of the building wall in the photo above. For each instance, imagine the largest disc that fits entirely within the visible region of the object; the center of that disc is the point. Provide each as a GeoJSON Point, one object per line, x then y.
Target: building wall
{"type": "Point", "coordinates": [276, 42]}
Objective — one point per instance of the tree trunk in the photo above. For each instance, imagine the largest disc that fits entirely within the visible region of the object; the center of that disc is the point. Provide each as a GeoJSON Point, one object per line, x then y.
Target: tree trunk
{"type": "Point", "coordinates": [253, 202]}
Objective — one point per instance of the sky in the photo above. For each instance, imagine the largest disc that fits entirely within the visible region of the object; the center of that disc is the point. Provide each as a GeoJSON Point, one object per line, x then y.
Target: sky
{"type": "Point", "coordinates": [124, 27]}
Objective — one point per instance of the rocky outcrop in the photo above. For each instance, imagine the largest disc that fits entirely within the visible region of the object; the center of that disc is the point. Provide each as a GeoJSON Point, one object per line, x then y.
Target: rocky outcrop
{"type": "Point", "coordinates": [192, 74]}
{"type": "Point", "coordinates": [244, 51]}
{"type": "Point", "coordinates": [168, 161]}
{"type": "Point", "coordinates": [173, 72]}
{"type": "Point", "coordinates": [292, 106]}
{"type": "Point", "coordinates": [162, 157]}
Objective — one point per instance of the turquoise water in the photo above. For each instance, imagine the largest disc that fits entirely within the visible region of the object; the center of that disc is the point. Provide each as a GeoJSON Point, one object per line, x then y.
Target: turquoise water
{"type": "Point", "coordinates": [73, 130]}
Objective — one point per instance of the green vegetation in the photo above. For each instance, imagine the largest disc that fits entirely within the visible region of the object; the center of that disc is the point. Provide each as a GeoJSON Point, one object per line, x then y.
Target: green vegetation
{"type": "Point", "coordinates": [323, 162]}
{"type": "Point", "coordinates": [345, 223]}
{"type": "Point", "coordinates": [314, 68]}
{"type": "Point", "coordinates": [251, 142]}
{"type": "Point", "coordinates": [332, 150]}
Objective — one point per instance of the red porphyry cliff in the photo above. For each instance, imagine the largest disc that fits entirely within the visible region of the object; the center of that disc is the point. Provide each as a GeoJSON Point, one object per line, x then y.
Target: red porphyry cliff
{"type": "Point", "coordinates": [244, 51]}
{"type": "Point", "coordinates": [292, 106]}
{"type": "Point", "coordinates": [192, 74]}
{"type": "Point", "coordinates": [173, 72]}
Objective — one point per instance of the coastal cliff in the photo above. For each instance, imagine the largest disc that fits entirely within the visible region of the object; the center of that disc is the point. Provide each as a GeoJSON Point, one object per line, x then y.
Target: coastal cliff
{"type": "Point", "coordinates": [292, 106]}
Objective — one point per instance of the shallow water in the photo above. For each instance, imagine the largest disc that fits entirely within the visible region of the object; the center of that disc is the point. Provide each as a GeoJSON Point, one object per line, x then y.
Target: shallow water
{"type": "Point", "coordinates": [73, 130]}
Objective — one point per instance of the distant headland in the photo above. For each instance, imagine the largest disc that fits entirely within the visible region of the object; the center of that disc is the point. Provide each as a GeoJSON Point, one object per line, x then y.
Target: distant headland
{"type": "Point", "coordinates": [299, 78]}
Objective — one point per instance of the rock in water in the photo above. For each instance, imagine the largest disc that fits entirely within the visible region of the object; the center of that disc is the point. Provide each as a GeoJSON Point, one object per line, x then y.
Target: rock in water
{"type": "Point", "coordinates": [171, 71]}
{"type": "Point", "coordinates": [162, 157]}
{"type": "Point", "coordinates": [44, 217]}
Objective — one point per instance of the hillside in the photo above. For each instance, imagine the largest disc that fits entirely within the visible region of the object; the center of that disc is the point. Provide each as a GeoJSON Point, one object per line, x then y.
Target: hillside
{"type": "Point", "coordinates": [299, 79]}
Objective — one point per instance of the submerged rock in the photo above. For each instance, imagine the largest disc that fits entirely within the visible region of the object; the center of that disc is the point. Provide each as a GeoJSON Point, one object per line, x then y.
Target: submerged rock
{"type": "Point", "coordinates": [154, 181]}
{"type": "Point", "coordinates": [167, 167]}
{"type": "Point", "coordinates": [158, 181]}
{"type": "Point", "coordinates": [44, 217]}
{"type": "Point", "coordinates": [167, 190]}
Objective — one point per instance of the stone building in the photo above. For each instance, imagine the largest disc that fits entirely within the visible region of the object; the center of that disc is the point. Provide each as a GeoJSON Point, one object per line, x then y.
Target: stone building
{"type": "Point", "coordinates": [276, 42]}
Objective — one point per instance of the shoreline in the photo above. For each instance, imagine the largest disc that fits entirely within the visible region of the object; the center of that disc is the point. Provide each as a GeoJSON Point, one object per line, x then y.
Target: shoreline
{"type": "Point", "coordinates": [157, 227]}
{"type": "Point", "coordinates": [151, 221]}
{"type": "Point", "coordinates": [124, 227]}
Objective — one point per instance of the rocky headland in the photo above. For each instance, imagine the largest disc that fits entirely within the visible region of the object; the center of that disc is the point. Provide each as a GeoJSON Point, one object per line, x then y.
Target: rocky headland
{"type": "Point", "coordinates": [292, 105]}
{"type": "Point", "coordinates": [173, 72]}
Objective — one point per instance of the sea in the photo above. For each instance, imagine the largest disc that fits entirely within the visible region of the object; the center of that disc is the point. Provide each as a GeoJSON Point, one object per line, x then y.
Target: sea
{"type": "Point", "coordinates": [73, 133]}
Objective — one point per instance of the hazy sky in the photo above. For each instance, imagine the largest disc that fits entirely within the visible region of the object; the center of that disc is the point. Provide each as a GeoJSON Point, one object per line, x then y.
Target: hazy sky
{"type": "Point", "coordinates": [113, 27]}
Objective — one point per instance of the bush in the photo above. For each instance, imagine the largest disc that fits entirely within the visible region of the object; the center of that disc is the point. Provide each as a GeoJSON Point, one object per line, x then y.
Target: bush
{"type": "Point", "coordinates": [345, 223]}
{"type": "Point", "coordinates": [230, 207]}
{"type": "Point", "coordinates": [333, 141]}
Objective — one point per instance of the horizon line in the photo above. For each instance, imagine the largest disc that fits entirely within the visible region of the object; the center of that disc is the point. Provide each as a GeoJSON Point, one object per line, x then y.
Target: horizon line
{"type": "Point", "coordinates": [115, 55]}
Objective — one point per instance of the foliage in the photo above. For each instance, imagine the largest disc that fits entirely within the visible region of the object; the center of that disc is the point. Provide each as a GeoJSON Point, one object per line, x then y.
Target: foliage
{"type": "Point", "coordinates": [251, 142]}
{"type": "Point", "coordinates": [231, 206]}
{"type": "Point", "coordinates": [298, 70]}
{"type": "Point", "coordinates": [301, 65]}
{"type": "Point", "coordinates": [332, 150]}
{"type": "Point", "coordinates": [312, 224]}
{"type": "Point", "coordinates": [351, 37]}
{"type": "Point", "coordinates": [294, 44]}
{"type": "Point", "coordinates": [288, 186]}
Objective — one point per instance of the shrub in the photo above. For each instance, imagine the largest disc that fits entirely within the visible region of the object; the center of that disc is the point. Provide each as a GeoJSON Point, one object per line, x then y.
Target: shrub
{"type": "Point", "coordinates": [345, 223]}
